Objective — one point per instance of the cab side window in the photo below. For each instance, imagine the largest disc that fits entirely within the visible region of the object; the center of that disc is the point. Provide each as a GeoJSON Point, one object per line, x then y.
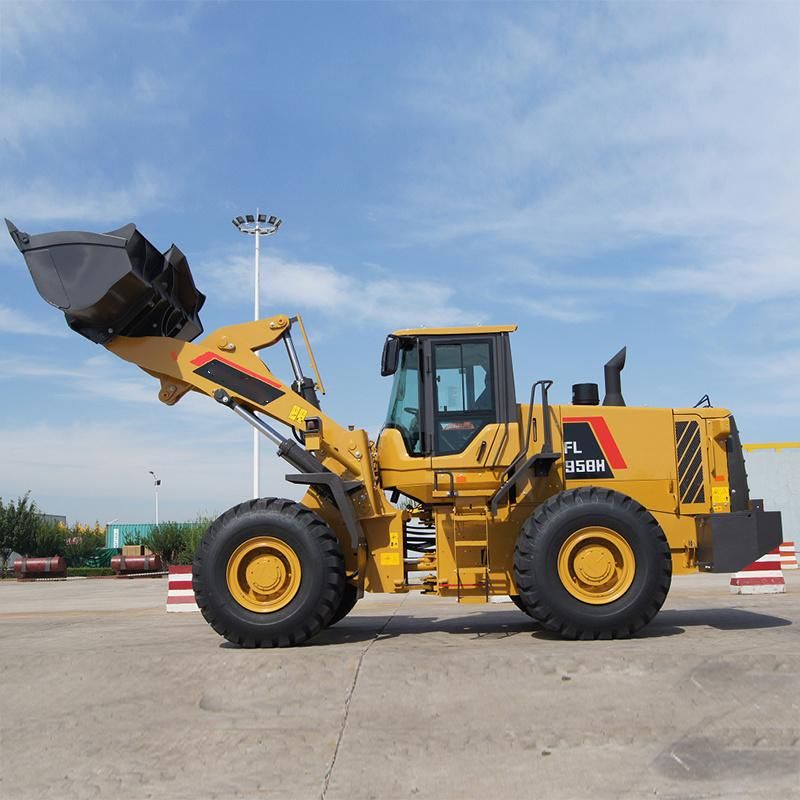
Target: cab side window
{"type": "Point", "coordinates": [463, 394]}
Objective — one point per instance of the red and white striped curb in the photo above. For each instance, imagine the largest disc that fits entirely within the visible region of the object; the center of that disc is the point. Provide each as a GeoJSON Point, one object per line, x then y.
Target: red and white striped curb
{"type": "Point", "coordinates": [788, 556]}
{"type": "Point", "coordinates": [763, 576]}
{"type": "Point", "coordinates": [180, 595]}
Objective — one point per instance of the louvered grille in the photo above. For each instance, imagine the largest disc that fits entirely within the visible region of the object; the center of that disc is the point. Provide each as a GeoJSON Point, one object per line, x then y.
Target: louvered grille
{"type": "Point", "coordinates": [690, 462]}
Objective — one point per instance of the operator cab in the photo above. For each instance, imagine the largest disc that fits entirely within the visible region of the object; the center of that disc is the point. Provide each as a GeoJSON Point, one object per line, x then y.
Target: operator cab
{"type": "Point", "coordinates": [450, 384]}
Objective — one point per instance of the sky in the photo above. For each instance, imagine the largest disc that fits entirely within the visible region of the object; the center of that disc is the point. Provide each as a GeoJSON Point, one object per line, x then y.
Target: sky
{"type": "Point", "coordinates": [602, 174]}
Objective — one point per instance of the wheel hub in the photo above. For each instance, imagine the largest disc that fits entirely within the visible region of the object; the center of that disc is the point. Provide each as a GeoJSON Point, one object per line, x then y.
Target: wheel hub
{"type": "Point", "coordinates": [266, 573]}
{"type": "Point", "coordinates": [596, 565]}
{"type": "Point", "coordinates": [263, 574]}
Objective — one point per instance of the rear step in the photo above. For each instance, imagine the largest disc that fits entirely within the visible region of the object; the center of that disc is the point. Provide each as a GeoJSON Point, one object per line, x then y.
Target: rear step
{"type": "Point", "coordinates": [113, 284]}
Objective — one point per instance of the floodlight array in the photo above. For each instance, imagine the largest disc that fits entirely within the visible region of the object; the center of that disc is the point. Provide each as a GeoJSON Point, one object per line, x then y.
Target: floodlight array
{"type": "Point", "coordinates": [263, 224]}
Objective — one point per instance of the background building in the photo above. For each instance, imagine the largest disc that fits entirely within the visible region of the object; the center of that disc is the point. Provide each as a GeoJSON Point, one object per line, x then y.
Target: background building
{"type": "Point", "coordinates": [120, 534]}
{"type": "Point", "coordinates": [773, 473]}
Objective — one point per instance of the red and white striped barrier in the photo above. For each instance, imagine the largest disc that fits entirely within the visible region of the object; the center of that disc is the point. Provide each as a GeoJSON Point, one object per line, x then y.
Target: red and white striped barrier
{"type": "Point", "coordinates": [180, 595]}
{"type": "Point", "coordinates": [761, 577]}
{"type": "Point", "coordinates": [788, 556]}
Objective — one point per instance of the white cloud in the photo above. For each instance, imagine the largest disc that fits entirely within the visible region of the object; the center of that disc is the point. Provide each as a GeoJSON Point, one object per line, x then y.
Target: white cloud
{"type": "Point", "coordinates": [642, 127]}
{"type": "Point", "coordinates": [42, 200]}
{"type": "Point", "coordinates": [14, 321]}
{"type": "Point", "coordinates": [33, 24]}
{"type": "Point", "coordinates": [381, 300]}
{"type": "Point", "coordinates": [562, 309]}
{"type": "Point", "coordinates": [97, 376]}
{"type": "Point", "coordinates": [102, 376]}
{"type": "Point", "coordinates": [100, 471]}
{"type": "Point", "coordinates": [39, 111]}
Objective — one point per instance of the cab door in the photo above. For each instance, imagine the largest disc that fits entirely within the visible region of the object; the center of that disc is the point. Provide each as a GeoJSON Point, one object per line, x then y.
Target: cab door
{"type": "Point", "coordinates": [467, 410]}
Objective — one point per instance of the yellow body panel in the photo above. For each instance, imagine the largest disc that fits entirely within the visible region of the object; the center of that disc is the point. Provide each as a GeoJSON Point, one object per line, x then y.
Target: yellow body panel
{"type": "Point", "coordinates": [474, 549]}
{"type": "Point", "coordinates": [469, 329]}
{"type": "Point", "coordinates": [645, 439]}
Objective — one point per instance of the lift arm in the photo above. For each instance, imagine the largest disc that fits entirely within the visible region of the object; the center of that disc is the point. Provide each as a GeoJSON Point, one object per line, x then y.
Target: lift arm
{"type": "Point", "coordinates": [118, 290]}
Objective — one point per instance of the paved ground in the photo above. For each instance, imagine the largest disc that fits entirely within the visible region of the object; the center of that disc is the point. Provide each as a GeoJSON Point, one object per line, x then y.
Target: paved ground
{"type": "Point", "coordinates": [105, 695]}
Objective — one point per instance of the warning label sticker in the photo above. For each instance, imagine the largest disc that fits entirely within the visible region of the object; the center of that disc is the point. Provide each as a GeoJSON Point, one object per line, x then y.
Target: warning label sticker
{"type": "Point", "coordinates": [589, 449]}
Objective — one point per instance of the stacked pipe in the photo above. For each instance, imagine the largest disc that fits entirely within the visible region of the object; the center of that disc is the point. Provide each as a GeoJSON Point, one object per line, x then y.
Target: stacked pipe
{"type": "Point", "coordinates": [51, 567]}
{"type": "Point", "coordinates": [132, 565]}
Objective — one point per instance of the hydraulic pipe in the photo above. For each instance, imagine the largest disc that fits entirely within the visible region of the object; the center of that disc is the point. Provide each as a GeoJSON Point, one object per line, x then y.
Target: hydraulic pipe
{"type": "Point", "coordinates": [288, 450]}
{"type": "Point", "coordinates": [293, 359]}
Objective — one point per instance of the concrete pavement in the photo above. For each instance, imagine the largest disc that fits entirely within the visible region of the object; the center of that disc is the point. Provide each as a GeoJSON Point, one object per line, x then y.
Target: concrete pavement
{"type": "Point", "coordinates": [105, 695]}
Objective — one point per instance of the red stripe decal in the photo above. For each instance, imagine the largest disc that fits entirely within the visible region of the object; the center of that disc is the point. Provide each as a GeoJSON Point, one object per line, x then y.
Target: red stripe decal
{"type": "Point", "coordinates": [181, 570]}
{"type": "Point", "coordinates": [603, 434]}
{"type": "Point", "coordinates": [180, 600]}
{"type": "Point", "coordinates": [762, 566]}
{"type": "Point", "coordinates": [203, 359]}
{"type": "Point", "coordinates": [179, 585]}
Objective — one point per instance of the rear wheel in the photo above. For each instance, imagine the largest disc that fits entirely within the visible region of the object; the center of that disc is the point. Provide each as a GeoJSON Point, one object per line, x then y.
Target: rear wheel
{"type": "Point", "coordinates": [268, 573]}
{"type": "Point", "coordinates": [592, 563]}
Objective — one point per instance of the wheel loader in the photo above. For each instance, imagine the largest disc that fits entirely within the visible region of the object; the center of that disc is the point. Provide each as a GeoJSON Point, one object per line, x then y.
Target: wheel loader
{"type": "Point", "coordinates": [580, 512]}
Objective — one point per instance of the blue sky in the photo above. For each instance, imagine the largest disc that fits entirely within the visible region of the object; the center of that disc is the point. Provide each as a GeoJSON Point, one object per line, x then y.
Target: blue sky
{"type": "Point", "coordinates": [601, 174]}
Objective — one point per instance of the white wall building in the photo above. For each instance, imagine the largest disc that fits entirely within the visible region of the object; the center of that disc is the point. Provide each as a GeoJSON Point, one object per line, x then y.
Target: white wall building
{"type": "Point", "coordinates": [773, 473]}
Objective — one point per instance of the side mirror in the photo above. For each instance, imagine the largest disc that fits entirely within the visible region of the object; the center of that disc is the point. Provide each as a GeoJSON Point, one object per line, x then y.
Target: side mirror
{"type": "Point", "coordinates": [391, 356]}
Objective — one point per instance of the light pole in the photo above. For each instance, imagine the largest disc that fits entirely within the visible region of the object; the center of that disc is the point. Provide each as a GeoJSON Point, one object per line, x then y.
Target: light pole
{"type": "Point", "coordinates": [257, 225]}
{"type": "Point", "coordinates": [156, 484]}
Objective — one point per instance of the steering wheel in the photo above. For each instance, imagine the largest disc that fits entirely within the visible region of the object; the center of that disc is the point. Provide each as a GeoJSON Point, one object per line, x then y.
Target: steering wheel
{"type": "Point", "coordinates": [413, 429]}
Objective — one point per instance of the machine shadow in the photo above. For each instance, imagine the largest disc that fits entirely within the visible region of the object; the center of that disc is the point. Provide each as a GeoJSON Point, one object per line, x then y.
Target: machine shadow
{"type": "Point", "coordinates": [723, 619]}
{"type": "Point", "coordinates": [506, 624]}
{"type": "Point", "coordinates": [362, 628]}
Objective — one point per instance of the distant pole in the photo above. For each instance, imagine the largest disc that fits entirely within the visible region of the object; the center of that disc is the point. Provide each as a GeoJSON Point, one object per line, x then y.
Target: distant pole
{"type": "Point", "coordinates": [257, 225]}
{"type": "Point", "coordinates": [156, 484]}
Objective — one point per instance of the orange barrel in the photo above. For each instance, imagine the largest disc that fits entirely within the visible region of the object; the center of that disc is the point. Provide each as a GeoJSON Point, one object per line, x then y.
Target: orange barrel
{"type": "Point", "coordinates": [52, 567]}
{"type": "Point", "coordinates": [127, 565]}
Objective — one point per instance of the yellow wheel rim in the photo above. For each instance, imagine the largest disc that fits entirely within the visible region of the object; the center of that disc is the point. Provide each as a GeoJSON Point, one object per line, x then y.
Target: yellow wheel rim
{"type": "Point", "coordinates": [263, 574]}
{"type": "Point", "coordinates": [596, 565]}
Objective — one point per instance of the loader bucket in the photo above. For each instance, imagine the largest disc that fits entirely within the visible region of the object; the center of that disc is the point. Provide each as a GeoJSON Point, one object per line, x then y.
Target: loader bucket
{"type": "Point", "coordinates": [113, 284]}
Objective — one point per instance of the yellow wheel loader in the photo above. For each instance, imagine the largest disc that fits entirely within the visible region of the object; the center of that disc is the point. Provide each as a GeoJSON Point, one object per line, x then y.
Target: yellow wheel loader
{"type": "Point", "coordinates": [580, 512]}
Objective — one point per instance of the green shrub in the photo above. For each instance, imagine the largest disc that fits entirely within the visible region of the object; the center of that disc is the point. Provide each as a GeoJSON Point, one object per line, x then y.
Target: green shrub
{"type": "Point", "coordinates": [176, 542]}
{"type": "Point", "coordinates": [193, 533]}
{"type": "Point", "coordinates": [49, 540]}
{"type": "Point", "coordinates": [89, 572]}
{"type": "Point", "coordinates": [82, 542]}
{"type": "Point", "coordinates": [166, 540]}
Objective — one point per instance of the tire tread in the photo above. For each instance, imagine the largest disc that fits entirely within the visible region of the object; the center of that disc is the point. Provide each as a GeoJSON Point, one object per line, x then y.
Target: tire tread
{"type": "Point", "coordinates": [534, 598]}
{"type": "Point", "coordinates": [317, 529]}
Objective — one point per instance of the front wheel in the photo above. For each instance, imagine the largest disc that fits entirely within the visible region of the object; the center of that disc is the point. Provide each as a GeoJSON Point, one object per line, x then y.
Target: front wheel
{"type": "Point", "coordinates": [592, 563]}
{"type": "Point", "coordinates": [268, 573]}
{"type": "Point", "coordinates": [347, 604]}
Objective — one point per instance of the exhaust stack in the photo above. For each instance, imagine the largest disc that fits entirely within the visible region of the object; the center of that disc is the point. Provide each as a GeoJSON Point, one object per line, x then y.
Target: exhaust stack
{"type": "Point", "coordinates": [612, 370]}
{"type": "Point", "coordinates": [113, 284]}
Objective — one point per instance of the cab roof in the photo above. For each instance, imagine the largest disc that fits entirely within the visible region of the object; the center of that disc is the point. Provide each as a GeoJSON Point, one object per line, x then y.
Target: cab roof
{"type": "Point", "coordinates": [476, 329]}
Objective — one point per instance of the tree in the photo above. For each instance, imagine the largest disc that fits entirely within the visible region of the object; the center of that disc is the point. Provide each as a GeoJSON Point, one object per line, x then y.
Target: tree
{"type": "Point", "coordinates": [19, 527]}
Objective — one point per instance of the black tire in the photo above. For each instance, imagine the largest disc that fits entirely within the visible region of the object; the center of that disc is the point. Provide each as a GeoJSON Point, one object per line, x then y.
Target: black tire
{"type": "Point", "coordinates": [542, 592]}
{"type": "Point", "coordinates": [518, 603]}
{"type": "Point", "coordinates": [321, 585]}
{"type": "Point", "coordinates": [349, 599]}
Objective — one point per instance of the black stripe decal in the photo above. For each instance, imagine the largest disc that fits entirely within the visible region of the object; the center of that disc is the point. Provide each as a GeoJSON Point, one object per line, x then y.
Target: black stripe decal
{"type": "Point", "coordinates": [239, 382]}
{"type": "Point", "coordinates": [689, 470]}
{"type": "Point", "coordinates": [680, 430]}
{"type": "Point", "coordinates": [690, 462]}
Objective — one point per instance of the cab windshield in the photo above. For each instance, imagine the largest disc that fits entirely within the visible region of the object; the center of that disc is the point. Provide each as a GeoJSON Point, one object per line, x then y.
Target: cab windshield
{"type": "Point", "coordinates": [404, 404]}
